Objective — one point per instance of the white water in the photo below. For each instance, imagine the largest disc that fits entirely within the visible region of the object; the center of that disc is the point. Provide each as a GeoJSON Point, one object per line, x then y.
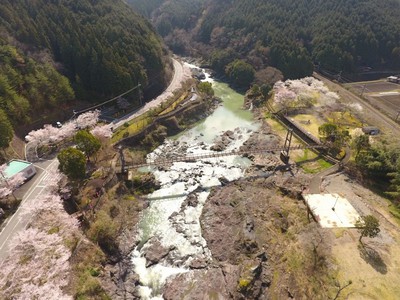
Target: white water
{"type": "Point", "coordinates": [182, 233]}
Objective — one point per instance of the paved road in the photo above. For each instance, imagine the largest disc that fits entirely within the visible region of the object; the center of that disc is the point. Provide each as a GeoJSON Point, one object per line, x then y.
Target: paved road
{"type": "Point", "coordinates": [37, 185]}
{"type": "Point", "coordinates": [31, 191]}
{"type": "Point", "coordinates": [315, 183]}
{"type": "Point", "coordinates": [180, 74]}
{"type": "Point", "coordinates": [373, 116]}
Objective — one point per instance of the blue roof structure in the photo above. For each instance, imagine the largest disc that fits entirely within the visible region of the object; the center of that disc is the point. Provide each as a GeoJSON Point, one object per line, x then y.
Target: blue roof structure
{"type": "Point", "coordinates": [15, 166]}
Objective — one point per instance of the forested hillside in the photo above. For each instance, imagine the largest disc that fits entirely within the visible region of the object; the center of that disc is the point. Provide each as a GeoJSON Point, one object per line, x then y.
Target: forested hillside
{"type": "Point", "coordinates": [101, 48]}
{"type": "Point", "coordinates": [103, 45]}
{"type": "Point", "coordinates": [168, 15]}
{"type": "Point", "coordinates": [291, 35]}
{"type": "Point", "coordinates": [30, 88]}
{"type": "Point", "coordinates": [27, 85]}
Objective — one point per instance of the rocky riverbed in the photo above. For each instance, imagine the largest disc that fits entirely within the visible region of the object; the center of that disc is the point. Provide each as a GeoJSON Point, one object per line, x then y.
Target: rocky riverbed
{"type": "Point", "coordinates": [225, 223]}
{"type": "Point", "coordinates": [238, 223]}
{"type": "Point", "coordinates": [216, 227]}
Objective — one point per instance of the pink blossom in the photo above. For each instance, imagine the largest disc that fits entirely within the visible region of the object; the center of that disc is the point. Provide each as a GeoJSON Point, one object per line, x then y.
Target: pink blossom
{"type": "Point", "coordinates": [38, 265]}
{"type": "Point", "coordinates": [4, 192]}
{"type": "Point", "coordinates": [11, 184]}
{"type": "Point", "coordinates": [67, 130]}
{"type": "Point", "coordinates": [44, 268]}
{"type": "Point", "coordinates": [50, 134]}
{"type": "Point", "coordinates": [16, 181]}
{"type": "Point", "coordinates": [305, 91]}
{"type": "Point", "coordinates": [102, 131]}
{"type": "Point", "coordinates": [3, 168]}
{"type": "Point", "coordinates": [88, 119]}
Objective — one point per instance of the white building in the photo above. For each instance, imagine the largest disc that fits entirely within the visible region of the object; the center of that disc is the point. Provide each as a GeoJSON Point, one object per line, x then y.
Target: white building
{"type": "Point", "coordinates": [393, 79]}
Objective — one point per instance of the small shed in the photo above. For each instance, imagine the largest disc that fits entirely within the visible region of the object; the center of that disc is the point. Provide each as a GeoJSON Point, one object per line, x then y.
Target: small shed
{"type": "Point", "coordinates": [15, 167]}
{"type": "Point", "coordinates": [371, 130]}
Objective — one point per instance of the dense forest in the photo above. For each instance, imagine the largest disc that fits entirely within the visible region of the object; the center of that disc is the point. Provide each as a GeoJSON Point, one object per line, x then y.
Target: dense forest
{"type": "Point", "coordinates": [291, 35]}
{"type": "Point", "coordinates": [104, 46]}
{"type": "Point", "coordinates": [54, 51]}
{"type": "Point", "coordinates": [30, 88]}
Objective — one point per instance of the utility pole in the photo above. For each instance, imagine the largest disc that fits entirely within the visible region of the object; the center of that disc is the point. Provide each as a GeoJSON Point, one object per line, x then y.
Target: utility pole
{"type": "Point", "coordinates": [339, 76]}
{"type": "Point", "coordinates": [140, 94]}
{"type": "Point", "coordinates": [333, 207]}
{"type": "Point", "coordinates": [362, 92]}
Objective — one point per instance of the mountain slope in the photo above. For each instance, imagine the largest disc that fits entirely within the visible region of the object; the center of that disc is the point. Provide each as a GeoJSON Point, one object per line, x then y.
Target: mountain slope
{"type": "Point", "coordinates": [30, 86]}
{"type": "Point", "coordinates": [341, 35]}
{"type": "Point", "coordinates": [104, 47]}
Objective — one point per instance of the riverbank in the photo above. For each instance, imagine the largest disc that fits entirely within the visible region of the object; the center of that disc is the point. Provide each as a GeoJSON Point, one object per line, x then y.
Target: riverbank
{"type": "Point", "coordinates": [188, 241]}
{"type": "Point", "coordinates": [237, 228]}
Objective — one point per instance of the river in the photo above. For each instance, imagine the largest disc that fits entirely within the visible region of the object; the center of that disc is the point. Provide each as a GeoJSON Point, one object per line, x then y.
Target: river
{"type": "Point", "coordinates": [171, 224]}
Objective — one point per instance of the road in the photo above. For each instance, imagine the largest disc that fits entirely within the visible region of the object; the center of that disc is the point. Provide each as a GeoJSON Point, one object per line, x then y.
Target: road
{"type": "Point", "coordinates": [35, 187]}
{"type": "Point", "coordinates": [181, 73]}
{"type": "Point", "coordinates": [371, 115]}
{"type": "Point", "coordinates": [31, 190]}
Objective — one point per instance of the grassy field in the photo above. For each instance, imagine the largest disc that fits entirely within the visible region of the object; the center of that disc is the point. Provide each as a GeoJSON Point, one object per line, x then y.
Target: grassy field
{"type": "Point", "coordinates": [132, 127]}
{"type": "Point", "coordinates": [308, 160]}
{"type": "Point", "coordinates": [309, 122]}
{"type": "Point", "coordinates": [139, 123]}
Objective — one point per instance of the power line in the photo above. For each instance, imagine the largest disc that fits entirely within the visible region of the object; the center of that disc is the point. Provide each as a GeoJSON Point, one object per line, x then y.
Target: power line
{"type": "Point", "coordinates": [105, 102]}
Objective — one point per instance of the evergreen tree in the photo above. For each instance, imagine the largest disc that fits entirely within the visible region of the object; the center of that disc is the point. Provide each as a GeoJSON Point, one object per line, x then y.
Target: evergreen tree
{"type": "Point", "coordinates": [6, 130]}
{"type": "Point", "coordinates": [87, 143]}
{"type": "Point", "coordinates": [368, 226]}
{"type": "Point", "coordinates": [240, 72]}
{"type": "Point", "coordinates": [72, 163]}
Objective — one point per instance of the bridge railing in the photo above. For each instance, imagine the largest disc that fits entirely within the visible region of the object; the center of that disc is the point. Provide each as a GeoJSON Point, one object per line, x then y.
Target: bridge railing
{"type": "Point", "coordinates": [199, 156]}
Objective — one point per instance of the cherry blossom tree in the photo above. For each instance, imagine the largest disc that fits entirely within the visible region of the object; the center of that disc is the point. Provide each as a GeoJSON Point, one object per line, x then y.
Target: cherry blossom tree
{"type": "Point", "coordinates": [11, 184]}
{"type": "Point", "coordinates": [103, 131]}
{"type": "Point", "coordinates": [38, 265]}
{"type": "Point", "coordinates": [302, 92]}
{"type": "Point", "coordinates": [37, 268]}
{"type": "Point", "coordinates": [88, 119]}
{"type": "Point", "coordinates": [50, 134]}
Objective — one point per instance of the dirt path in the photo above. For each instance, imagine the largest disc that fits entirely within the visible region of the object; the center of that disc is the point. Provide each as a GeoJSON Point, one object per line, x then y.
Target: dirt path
{"type": "Point", "coordinates": [375, 270]}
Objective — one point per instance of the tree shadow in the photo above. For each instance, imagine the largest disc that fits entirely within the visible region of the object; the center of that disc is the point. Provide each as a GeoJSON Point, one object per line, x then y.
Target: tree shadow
{"type": "Point", "coordinates": [372, 257]}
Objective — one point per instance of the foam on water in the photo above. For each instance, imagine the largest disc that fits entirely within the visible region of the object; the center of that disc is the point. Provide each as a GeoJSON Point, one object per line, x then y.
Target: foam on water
{"type": "Point", "coordinates": [179, 228]}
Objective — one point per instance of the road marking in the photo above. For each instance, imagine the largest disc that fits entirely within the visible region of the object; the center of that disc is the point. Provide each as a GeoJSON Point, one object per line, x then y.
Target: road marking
{"type": "Point", "coordinates": [19, 221]}
{"type": "Point", "coordinates": [26, 198]}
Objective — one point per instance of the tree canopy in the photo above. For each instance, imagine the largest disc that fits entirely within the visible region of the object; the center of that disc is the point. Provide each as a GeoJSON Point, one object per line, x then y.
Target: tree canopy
{"type": "Point", "coordinates": [87, 142]}
{"type": "Point", "coordinates": [6, 130]}
{"type": "Point", "coordinates": [104, 47]}
{"type": "Point", "coordinates": [240, 73]}
{"type": "Point", "coordinates": [380, 164]}
{"type": "Point", "coordinates": [335, 136]}
{"type": "Point", "coordinates": [72, 163]}
{"type": "Point", "coordinates": [291, 35]}
{"type": "Point", "coordinates": [206, 88]}
{"type": "Point", "coordinates": [30, 85]}
{"type": "Point", "coordinates": [368, 226]}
